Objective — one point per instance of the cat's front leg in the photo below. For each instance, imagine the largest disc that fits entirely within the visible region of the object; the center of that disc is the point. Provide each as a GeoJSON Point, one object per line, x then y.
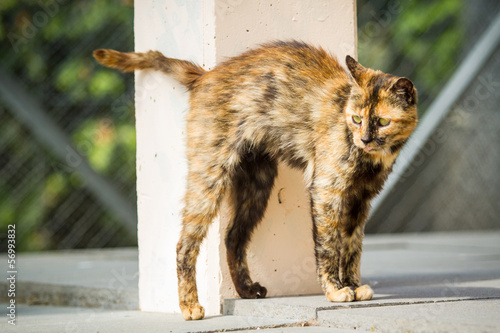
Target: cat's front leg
{"type": "Point", "coordinates": [354, 213]}
{"type": "Point", "coordinates": [350, 264]}
{"type": "Point", "coordinates": [327, 245]}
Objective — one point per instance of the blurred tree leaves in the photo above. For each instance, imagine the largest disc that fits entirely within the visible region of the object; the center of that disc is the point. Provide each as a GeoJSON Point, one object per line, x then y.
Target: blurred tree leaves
{"type": "Point", "coordinates": [106, 82]}
{"type": "Point", "coordinates": [47, 45]}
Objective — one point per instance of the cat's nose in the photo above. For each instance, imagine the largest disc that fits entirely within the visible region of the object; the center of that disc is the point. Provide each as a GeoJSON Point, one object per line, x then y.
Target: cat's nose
{"type": "Point", "coordinates": [366, 140]}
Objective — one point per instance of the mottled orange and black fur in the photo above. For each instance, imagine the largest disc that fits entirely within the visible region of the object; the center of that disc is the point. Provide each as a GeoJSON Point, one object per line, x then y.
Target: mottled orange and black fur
{"type": "Point", "coordinates": [290, 102]}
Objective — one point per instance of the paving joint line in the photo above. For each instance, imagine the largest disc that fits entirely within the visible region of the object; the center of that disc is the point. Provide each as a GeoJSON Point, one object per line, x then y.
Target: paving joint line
{"type": "Point", "coordinates": [308, 323]}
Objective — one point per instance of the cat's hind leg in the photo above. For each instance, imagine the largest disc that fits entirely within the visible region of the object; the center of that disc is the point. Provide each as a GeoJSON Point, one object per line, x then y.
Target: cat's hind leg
{"type": "Point", "coordinates": [203, 197]}
{"type": "Point", "coordinates": [252, 186]}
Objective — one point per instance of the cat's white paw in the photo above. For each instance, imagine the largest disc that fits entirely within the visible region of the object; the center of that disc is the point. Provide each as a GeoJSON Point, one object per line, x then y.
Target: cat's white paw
{"type": "Point", "coordinates": [193, 312]}
{"type": "Point", "coordinates": [364, 293]}
{"type": "Point", "coordinates": [343, 295]}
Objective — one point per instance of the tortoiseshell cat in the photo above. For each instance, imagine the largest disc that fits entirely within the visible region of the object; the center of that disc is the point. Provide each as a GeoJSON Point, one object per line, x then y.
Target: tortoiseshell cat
{"type": "Point", "coordinates": [291, 102]}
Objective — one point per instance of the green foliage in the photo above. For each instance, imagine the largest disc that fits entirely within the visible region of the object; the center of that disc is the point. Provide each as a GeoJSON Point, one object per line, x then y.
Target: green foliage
{"type": "Point", "coordinates": [102, 141]}
{"type": "Point", "coordinates": [106, 82]}
{"type": "Point", "coordinates": [47, 45]}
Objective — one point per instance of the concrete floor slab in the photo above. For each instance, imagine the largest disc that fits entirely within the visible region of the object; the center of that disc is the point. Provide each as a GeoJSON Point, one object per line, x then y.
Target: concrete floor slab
{"type": "Point", "coordinates": [465, 316]}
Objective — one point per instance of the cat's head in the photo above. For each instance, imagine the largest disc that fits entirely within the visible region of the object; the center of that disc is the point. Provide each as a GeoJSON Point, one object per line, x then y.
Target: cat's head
{"type": "Point", "coordinates": [382, 110]}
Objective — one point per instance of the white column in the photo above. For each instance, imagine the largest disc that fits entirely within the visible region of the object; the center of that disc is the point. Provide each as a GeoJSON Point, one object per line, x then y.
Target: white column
{"type": "Point", "coordinates": [281, 255]}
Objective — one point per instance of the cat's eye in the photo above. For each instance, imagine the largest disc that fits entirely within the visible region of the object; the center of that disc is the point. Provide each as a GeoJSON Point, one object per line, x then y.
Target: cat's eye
{"type": "Point", "coordinates": [356, 119]}
{"type": "Point", "coordinates": [383, 122]}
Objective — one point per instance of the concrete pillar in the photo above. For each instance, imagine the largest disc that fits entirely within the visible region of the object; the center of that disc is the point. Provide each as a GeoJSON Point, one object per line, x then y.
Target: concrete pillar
{"type": "Point", "coordinates": [208, 31]}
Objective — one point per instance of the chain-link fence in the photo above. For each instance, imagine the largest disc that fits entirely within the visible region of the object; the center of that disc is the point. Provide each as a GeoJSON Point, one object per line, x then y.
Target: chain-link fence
{"type": "Point", "coordinates": [452, 182]}
{"type": "Point", "coordinates": [67, 137]}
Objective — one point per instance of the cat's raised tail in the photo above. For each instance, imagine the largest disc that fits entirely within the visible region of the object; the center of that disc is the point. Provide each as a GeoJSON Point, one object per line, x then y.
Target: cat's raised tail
{"type": "Point", "coordinates": [186, 72]}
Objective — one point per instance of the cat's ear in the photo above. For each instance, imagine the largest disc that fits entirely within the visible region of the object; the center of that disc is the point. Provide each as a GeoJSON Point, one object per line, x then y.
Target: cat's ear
{"type": "Point", "coordinates": [404, 90]}
{"type": "Point", "coordinates": [355, 68]}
